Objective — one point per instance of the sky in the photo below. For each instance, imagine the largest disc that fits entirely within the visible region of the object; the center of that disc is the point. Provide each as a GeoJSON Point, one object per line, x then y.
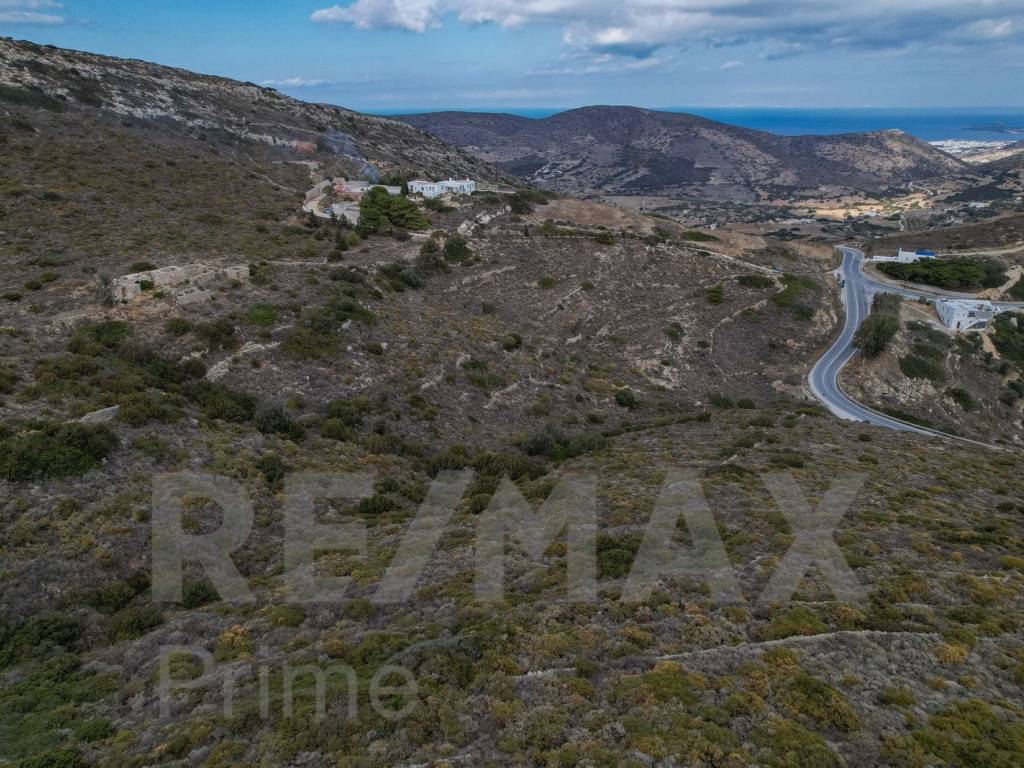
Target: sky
{"type": "Point", "coordinates": [388, 55]}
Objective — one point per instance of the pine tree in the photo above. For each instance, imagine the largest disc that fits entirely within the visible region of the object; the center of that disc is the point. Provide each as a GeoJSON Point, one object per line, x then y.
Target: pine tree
{"type": "Point", "coordinates": [374, 208]}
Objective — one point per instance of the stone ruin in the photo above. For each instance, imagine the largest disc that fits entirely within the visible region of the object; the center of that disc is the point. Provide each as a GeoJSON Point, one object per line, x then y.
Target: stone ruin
{"type": "Point", "coordinates": [188, 284]}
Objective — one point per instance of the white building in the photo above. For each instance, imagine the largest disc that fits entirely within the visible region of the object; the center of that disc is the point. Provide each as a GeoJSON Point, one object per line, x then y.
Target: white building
{"type": "Point", "coordinates": [907, 257]}
{"type": "Point", "coordinates": [966, 314]}
{"type": "Point", "coordinates": [438, 188]}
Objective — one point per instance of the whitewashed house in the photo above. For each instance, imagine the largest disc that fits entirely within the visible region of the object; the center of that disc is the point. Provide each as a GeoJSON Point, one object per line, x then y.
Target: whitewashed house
{"type": "Point", "coordinates": [430, 189]}
{"type": "Point", "coordinates": [907, 257]}
{"type": "Point", "coordinates": [966, 314]}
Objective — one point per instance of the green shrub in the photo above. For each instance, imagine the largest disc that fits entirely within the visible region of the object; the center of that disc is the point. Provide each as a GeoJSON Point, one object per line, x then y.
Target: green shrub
{"type": "Point", "coordinates": [917, 367]}
{"type": "Point", "coordinates": [875, 333]}
{"type": "Point", "coordinates": [456, 249]}
{"type": "Point", "coordinates": [796, 621]}
{"type": "Point", "coordinates": [720, 400]}
{"type": "Point", "coordinates": [271, 419]}
{"type": "Point", "coordinates": [95, 729]}
{"type": "Point", "coordinates": [177, 326]}
{"type": "Point", "coordinates": [755, 281]}
{"type": "Point", "coordinates": [196, 593]}
{"type": "Point", "coordinates": [789, 745]}
{"type": "Point", "coordinates": [430, 258]}
{"type": "Point", "coordinates": [139, 408]}
{"type": "Point", "coordinates": [626, 398]}
{"type": "Point", "coordinates": [263, 315]}
{"type": "Point", "coordinates": [898, 697]}
{"type": "Point", "coordinates": [94, 338]}
{"type": "Point", "coordinates": [971, 734]}
{"type": "Point", "coordinates": [715, 294]}
{"type": "Point", "coordinates": [378, 504]}
{"type": "Point", "coordinates": [963, 398]}
{"type": "Point", "coordinates": [695, 236]}
{"type": "Point", "coordinates": [37, 634]}
{"type": "Point", "coordinates": [272, 467]}
{"type": "Point", "coordinates": [218, 334]}
{"type": "Point", "coordinates": [287, 615]}
{"type": "Point", "coordinates": [559, 447]}
{"type": "Point", "coordinates": [52, 449]}
{"type": "Point", "coordinates": [65, 757]}
{"type": "Point", "coordinates": [795, 290]}
{"type": "Point", "coordinates": [615, 555]}
{"type": "Point", "coordinates": [337, 429]}
{"type": "Point", "coordinates": [133, 622]}
{"type": "Point", "coordinates": [546, 281]}
{"type": "Point", "coordinates": [511, 342]}
{"type": "Point", "coordinates": [216, 401]}
{"type": "Point", "coordinates": [1008, 335]}
{"type": "Point", "coordinates": [804, 694]}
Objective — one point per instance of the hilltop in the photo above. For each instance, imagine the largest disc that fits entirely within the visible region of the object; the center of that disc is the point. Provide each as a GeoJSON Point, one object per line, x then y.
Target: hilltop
{"type": "Point", "coordinates": [630, 151]}
{"type": "Point", "coordinates": [218, 111]}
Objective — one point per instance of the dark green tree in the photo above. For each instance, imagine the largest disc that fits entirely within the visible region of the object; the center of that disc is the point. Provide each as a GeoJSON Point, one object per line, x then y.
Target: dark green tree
{"type": "Point", "coordinates": [374, 208]}
{"type": "Point", "coordinates": [404, 214]}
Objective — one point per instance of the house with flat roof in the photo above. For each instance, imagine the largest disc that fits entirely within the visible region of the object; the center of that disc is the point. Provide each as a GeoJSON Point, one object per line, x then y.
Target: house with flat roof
{"type": "Point", "coordinates": [430, 189]}
{"type": "Point", "coordinates": [907, 257]}
{"type": "Point", "coordinates": [966, 314]}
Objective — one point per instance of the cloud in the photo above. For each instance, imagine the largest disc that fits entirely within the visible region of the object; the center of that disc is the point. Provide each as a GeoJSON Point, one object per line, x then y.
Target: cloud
{"type": "Point", "coordinates": [734, 64]}
{"type": "Point", "coordinates": [992, 29]}
{"type": "Point", "coordinates": [295, 82]}
{"type": "Point", "coordinates": [408, 15]}
{"type": "Point", "coordinates": [29, 12]}
{"type": "Point", "coordinates": [639, 28]}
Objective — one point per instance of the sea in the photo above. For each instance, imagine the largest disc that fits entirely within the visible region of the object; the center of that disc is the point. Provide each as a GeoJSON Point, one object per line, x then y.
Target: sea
{"type": "Point", "coordinates": [988, 124]}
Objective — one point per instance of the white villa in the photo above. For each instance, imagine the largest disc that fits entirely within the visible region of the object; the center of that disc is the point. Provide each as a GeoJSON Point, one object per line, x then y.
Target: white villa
{"type": "Point", "coordinates": [907, 257]}
{"type": "Point", "coordinates": [966, 314]}
{"type": "Point", "coordinates": [437, 188]}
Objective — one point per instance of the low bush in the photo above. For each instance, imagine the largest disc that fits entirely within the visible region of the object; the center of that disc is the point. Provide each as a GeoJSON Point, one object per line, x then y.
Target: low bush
{"type": "Point", "coordinates": [917, 367]}
{"type": "Point", "coordinates": [51, 450]}
{"type": "Point", "coordinates": [133, 622]}
{"type": "Point", "coordinates": [963, 398]}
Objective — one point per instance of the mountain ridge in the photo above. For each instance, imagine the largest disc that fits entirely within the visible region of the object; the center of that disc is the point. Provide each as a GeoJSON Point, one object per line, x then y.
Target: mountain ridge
{"type": "Point", "coordinates": [629, 150]}
{"type": "Point", "coordinates": [60, 79]}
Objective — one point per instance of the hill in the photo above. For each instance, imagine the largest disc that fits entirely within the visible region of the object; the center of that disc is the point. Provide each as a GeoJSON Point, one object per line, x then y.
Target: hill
{"type": "Point", "coordinates": [518, 336]}
{"type": "Point", "coordinates": [629, 151]}
{"type": "Point", "coordinates": [223, 112]}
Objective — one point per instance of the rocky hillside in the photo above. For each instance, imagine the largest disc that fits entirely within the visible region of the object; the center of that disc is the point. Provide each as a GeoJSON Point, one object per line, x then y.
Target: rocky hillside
{"type": "Point", "coordinates": [220, 110]}
{"type": "Point", "coordinates": [525, 337]}
{"type": "Point", "coordinates": [628, 151]}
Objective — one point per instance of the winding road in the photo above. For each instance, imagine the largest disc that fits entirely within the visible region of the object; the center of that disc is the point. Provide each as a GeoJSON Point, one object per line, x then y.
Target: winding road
{"type": "Point", "coordinates": [858, 292]}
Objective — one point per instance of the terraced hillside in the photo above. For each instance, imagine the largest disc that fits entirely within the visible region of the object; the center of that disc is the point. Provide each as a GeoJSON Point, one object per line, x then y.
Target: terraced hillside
{"type": "Point", "coordinates": [517, 336]}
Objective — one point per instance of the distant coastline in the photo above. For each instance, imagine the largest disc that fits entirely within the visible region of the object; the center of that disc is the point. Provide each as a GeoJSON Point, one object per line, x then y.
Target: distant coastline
{"type": "Point", "coordinates": [928, 124]}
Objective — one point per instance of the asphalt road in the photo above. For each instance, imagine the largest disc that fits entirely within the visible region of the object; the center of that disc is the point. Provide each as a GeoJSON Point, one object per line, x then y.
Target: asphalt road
{"type": "Point", "coordinates": [858, 291]}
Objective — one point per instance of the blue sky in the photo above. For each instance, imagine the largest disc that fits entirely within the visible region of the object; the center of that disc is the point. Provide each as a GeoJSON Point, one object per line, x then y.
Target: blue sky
{"type": "Point", "coordinates": [380, 55]}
